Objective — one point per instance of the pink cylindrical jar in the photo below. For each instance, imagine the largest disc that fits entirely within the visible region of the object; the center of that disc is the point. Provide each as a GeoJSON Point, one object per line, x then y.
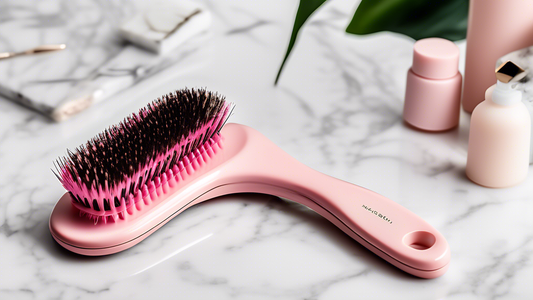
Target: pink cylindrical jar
{"type": "Point", "coordinates": [433, 93]}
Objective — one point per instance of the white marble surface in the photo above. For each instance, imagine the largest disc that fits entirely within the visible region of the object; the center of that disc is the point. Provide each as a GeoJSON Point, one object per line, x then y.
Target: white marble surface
{"type": "Point", "coordinates": [338, 109]}
{"type": "Point", "coordinates": [97, 62]}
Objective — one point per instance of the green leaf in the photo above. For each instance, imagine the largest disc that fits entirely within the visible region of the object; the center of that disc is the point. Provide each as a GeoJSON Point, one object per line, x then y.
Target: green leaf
{"type": "Point", "coordinates": [305, 10]}
{"type": "Point", "coordinates": [415, 18]}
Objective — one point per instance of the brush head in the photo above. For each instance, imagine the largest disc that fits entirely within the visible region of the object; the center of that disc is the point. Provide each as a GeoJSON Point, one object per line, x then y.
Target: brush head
{"type": "Point", "coordinates": [118, 167]}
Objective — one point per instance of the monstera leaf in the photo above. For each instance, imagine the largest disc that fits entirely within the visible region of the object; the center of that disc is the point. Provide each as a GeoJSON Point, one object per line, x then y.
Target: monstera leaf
{"type": "Point", "coordinates": [417, 19]}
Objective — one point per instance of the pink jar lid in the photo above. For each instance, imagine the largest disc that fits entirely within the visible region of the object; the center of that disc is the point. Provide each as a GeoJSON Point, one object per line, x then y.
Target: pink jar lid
{"type": "Point", "coordinates": [435, 58]}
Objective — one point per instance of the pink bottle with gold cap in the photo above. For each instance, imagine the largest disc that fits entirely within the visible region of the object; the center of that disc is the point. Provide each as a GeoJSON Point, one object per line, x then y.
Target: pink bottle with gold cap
{"type": "Point", "coordinates": [433, 93]}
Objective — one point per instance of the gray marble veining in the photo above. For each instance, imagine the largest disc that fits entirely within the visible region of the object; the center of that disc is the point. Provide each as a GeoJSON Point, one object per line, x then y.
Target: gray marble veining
{"type": "Point", "coordinates": [337, 108]}
{"type": "Point", "coordinates": [96, 64]}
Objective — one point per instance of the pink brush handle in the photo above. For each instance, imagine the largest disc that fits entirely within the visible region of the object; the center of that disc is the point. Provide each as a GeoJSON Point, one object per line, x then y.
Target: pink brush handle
{"type": "Point", "coordinates": [249, 162]}
{"type": "Point", "coordinates": [383, 226]}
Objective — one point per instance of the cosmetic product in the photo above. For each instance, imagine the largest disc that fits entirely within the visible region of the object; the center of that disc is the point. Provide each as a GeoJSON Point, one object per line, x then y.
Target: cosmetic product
{"type": "Point", "coordinates": [495, 28]}
{"type": "Point", "coordinates": [165, 25]}
{"type": "Point", "coordinates": [500, 131]}
{"type": "Point", "coordinates": [523, 58]}
{"type": "Point", "coordinates": [37, 50]}
{"type": "Point", "coordinates": [96, 63]}
{"type": "Point", "coordinates": [176, 152]}
{"type": "Point", "coordinates": [433, 92]}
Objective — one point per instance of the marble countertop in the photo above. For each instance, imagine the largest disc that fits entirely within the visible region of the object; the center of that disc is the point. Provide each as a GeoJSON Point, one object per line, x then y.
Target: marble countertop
{"type": "Point", "coordinates": [338, 109]}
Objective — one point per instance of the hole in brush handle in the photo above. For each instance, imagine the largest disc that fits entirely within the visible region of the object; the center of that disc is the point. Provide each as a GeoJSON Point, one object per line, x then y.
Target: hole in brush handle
{"type": "Point", "coordinates": [419, 240]}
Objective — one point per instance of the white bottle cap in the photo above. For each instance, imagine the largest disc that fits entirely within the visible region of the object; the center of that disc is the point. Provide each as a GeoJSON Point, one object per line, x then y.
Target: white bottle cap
{"type": "Point", "coordinates": [507, 75]}
{"type": "Point", "coordinates": [505, 94]}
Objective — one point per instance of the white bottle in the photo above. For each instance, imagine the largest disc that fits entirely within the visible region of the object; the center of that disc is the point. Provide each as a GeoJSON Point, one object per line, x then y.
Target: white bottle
{"type": "Point", "coordinates": [498, 147]}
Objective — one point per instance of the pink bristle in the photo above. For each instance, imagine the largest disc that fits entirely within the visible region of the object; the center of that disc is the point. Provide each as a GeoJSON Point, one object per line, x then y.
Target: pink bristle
{"type": "Point", "coordinates": [131, 182]}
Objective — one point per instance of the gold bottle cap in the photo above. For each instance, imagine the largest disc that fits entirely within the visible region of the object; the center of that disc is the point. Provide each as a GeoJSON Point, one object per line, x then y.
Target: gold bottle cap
{"type": "Point", "coordinates": [509, 71]}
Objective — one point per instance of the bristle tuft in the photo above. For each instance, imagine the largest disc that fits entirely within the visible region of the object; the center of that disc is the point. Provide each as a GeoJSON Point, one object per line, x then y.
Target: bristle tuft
{"type": "Point", "coordinates": [147, 151]}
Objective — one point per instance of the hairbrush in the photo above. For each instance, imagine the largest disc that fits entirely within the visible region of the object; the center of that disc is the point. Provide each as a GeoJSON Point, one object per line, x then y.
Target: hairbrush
{"type": "Point", "coordinates": [134, 177]}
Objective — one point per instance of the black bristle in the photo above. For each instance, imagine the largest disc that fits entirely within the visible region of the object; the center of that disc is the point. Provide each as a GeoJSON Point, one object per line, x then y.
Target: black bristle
{"type": "Point", "coordinates": [106, 205]}
{"type": "Point", "coordinates": [124, 150]}
{"type": "Point", "coordinates": [72, 196]}
{"type": "Point", "coordinates": [95, 205]}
